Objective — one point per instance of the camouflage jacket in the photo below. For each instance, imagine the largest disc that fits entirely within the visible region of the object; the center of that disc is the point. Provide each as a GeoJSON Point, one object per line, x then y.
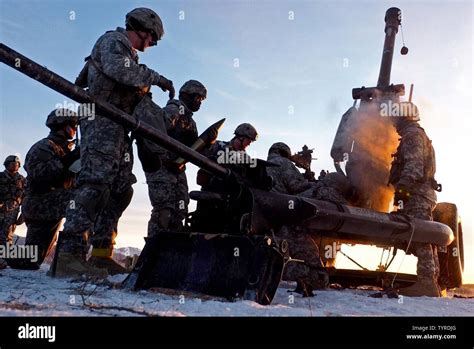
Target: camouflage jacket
{"type": "Point", "coordinates": [12, 188]}
{"type": "Point", "coordinates": [414, 163]}
{"type": "Point", "coordinates": [44, 167]}
{"type": "Point", "coordinates": [286, 177]}
{"type": "Point", "coordinates": [180, 124]}
{"type": "Point", "coordinates": [217, 152]}
{"type": "Point", "coordinates": [212, 152]}
{"type": "Point", "coordinates": [113, 72]}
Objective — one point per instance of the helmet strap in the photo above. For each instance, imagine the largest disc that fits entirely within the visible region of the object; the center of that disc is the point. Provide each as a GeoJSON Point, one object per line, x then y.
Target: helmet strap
{"type": "Point", "coordinates": [139, 34]}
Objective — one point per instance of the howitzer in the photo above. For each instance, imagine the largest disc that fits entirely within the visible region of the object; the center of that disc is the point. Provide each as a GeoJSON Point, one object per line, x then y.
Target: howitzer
{"type": "Point", "coordinates": [230, 244]}
{"type": "Point", "coordinates": [365, 138]}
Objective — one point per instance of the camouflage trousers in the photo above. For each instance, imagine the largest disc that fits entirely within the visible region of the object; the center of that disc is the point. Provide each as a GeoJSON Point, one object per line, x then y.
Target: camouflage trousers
{"type": "Point", "coordinates": [42, 234]}
{"type": "Point", "coordinates": [169, 197]}
{"type": "Point", "coordinates": [302, 247]}
{"type": "Point", "coordinates": [43, 216]}
{"type": "Point", "coordinates": [427, 254]}
{"type": "Point", "coordinates": [7, 227]}
{"type": "Point", "coordinates": [106, 225]}
{"type": "Point", "coordinates": [104, 185]}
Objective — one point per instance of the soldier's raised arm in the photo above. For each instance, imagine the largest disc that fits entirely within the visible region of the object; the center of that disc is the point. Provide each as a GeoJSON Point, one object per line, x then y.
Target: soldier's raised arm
{"type": "Point", "coordinates": [118, 63]}
{"type": "Point", "coordinates": [294, 181]}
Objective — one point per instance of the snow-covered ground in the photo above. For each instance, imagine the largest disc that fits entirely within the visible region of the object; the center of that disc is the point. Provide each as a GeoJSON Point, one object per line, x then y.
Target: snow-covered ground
{"type": "Point", "coordinates": [33, 293]}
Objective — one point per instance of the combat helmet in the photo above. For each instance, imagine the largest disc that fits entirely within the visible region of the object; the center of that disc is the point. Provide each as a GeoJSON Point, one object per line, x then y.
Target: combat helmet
{"type": "Point", "coordinates": [11, 158]}
{"type": "Point", "coordinates": [145, 19]}
{"type": "Point", "coordinates": [246, 130]}
{"type": "Point", "coordinates": [194, 87]}
{"type": "Point", "coordinates": [281, 148]}
{"type": "Point", "coordinates": [61, 116]}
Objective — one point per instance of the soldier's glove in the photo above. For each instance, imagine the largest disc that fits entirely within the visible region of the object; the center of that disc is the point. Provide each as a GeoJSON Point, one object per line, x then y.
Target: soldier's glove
{"type": "Point", "coordinates": [173, 167]}
{"type": "Point", "coordinates": [68, 159]}
{"type": "Point", "coordinates": [166, 85]}
{"type": "Point", "coordinates": [402, 193]}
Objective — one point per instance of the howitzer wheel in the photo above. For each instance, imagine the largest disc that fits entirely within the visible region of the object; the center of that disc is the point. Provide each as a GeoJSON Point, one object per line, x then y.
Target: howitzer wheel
{"type": "Point", "coordinates": [284, 247]}
{"type": "Point", "coordinates": [451, 262]}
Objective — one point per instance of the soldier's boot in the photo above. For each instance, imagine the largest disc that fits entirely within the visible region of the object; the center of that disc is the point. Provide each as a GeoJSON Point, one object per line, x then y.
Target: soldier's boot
{"type": "Point", "coordinates": [71, 265]}
{"type": "Point", "coordinates": [102, 258]}
{"type": "Point", "coordinates": [70, 259]}
{"type": "Point", "coordinates": [308, 277]}
{"type": "Point", "coordinates": [442, 289]}
{"type": "Point", "coordinates": [3, 263]}
{"type": "Point", "coordinates": [23, 264]}
{"type": "Point", "coordinates": [304, 288]}
{"type": "Point", "coordinates": [427, 287]}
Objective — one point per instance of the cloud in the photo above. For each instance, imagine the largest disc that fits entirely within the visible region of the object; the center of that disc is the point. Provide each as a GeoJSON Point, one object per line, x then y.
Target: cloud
{"type": "Point", "coordinates": [246, 81]}
{"type": "Point", "coordinates": [234, 98]}
{"type": "Point", "coordinates": [227, 95]}
{"type": "Point", "coordinates": [278, 132]}
{"type": "Point", "coordinates": [293, 82]}
{"type": "Point", "coordinates": [11, 24]}
{"type": "Point", "coordinates": [9, 28]}
{"type": "Point", "coordinates": [210, 57]}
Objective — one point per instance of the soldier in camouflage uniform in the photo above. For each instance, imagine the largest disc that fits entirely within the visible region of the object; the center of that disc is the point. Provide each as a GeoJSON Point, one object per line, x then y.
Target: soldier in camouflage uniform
{"type": "Point", "coordinates": [49, 184]}
{"type": "Point", "coordinates": [104, 184]}
{"type": "Point", "coordinates": [168, 187]}
{"type": "Point", "coordinates": [333, 187]}
{"type": "Point", "coordinates": [244, 135]}
{"type": "Point", "coordinates": [287, 179]}
{"type": "Point", "coordinates": [412, 175]}
{"type": "Point", "coordinates": [12, 187]}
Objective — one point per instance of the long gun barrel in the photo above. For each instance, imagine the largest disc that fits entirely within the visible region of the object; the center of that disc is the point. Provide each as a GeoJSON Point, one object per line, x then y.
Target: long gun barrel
{"type": "Point", "coordinates": [392, 22]}
{"type": "Point", "coordinates": [393, 18]}
{"type": "Point", "coordinates": [48, 78]}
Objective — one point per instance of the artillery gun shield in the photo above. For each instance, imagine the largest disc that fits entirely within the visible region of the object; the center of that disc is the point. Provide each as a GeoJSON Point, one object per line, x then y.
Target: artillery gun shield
{"type": "Point", "coordinates": [221, 265]}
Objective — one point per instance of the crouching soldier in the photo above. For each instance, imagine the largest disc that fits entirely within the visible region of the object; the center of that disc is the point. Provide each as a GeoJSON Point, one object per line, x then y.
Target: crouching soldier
{"type": "Point", "coordinates": [309, 272]}
{"type": "Point", "coordinates": [228, 154]}
{"type": "Point", "coordinates": [49, 184]}
{"type": "Point", "coordinates": [12, 187]}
